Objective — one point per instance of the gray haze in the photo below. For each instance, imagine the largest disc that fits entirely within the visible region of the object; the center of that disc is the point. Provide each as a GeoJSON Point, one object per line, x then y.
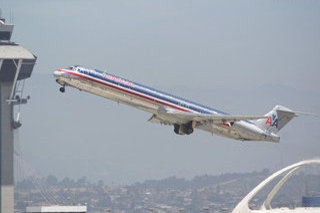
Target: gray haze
{"type": "Point", "coordinates": [241, 57]}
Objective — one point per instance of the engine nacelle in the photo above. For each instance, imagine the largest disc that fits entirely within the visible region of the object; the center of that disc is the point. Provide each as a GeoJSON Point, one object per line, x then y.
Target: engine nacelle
{"type": "Point", "coordinates": [183, 129]}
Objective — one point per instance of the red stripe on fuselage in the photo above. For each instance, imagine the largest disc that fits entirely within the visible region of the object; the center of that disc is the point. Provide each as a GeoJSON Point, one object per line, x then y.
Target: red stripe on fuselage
{"type": "Point", "coordinates": [226, 124]}
{"type": "Point", "coordinates": [124, 90]}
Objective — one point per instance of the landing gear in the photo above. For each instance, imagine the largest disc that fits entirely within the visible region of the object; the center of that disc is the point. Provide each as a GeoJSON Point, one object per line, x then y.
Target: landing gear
{"type": "Point", "coordinates": [62, 89]}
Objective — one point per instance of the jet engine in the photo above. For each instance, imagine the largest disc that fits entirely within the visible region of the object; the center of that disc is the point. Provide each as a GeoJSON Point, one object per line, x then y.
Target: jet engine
{"type": "Point", "coordinates": [183, 129]}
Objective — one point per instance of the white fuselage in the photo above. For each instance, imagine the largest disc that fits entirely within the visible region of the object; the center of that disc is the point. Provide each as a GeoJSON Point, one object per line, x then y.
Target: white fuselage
{"type": "Point", "coordinates": [148, 99]}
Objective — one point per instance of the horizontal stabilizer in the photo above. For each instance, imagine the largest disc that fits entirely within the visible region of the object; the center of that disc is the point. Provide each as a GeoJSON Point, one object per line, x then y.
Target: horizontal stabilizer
{"type": "Point", "coordinates": [305, 114]}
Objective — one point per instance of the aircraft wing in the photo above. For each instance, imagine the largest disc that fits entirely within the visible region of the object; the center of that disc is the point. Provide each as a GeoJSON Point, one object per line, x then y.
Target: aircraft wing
{"type": "Point", "coordinates": [215, 118]}
{"type": "Point", "coordinates": [171, 116]}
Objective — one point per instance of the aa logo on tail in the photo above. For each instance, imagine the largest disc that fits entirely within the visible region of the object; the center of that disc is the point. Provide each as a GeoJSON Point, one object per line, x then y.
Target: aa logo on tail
{"type": "Point", "coordinates": [272, 121]}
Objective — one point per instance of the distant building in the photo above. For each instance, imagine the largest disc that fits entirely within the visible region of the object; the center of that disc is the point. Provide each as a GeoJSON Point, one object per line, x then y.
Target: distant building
{"type": "Point", "coordinates": [56, 209]}
{"type": "Point", "coordinates": [311, 201]}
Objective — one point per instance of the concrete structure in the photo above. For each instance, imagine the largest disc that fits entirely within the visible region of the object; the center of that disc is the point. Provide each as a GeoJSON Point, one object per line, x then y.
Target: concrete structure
{"type": "Point", "coordinates": [57, 209]}
{"type": "Point", "coordinates": [243, 206]}
{"type": "Point", "coordinates": [16, 64]}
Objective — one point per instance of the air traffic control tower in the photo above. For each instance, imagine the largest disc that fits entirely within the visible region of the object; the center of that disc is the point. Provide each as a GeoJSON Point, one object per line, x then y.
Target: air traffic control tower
{"type": "Point", "coordinates": [16, 65]}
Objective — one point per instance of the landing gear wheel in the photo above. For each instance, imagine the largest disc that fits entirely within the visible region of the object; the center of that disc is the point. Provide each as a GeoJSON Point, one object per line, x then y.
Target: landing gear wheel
{"type": "Point", "coordinates": [62, 89]}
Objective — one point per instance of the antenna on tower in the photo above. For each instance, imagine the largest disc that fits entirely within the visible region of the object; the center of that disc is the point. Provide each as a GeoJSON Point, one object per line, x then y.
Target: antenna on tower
{"type": "Point", "coordinates": [1, 18]}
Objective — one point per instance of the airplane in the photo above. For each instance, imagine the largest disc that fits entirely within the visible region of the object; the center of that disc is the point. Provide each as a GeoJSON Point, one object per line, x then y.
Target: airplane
{"type": "Point", "coordinates": [183, 115]}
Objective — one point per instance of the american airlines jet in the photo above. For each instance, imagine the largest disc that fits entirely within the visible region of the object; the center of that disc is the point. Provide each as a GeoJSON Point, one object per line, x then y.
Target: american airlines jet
{"type": "Point", "coordinates": [168, 109]}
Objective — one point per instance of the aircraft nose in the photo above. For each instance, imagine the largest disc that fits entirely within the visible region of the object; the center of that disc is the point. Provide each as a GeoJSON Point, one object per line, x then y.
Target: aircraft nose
{"type": "Point", "coordinates": [56, 73]}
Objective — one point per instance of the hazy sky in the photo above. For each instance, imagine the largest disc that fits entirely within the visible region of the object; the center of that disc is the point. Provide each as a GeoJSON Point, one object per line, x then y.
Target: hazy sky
{"type": "Point", "coordinates": [241, 57]}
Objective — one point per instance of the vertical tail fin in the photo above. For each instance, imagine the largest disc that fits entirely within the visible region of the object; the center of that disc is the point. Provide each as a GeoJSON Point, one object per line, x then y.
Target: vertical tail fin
{"type": "Point", "coordinates": [278, 117]}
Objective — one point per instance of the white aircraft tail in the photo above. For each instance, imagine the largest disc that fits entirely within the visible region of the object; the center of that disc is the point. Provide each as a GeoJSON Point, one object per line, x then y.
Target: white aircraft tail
{"type": "Point", "coordinates": [278, 117]}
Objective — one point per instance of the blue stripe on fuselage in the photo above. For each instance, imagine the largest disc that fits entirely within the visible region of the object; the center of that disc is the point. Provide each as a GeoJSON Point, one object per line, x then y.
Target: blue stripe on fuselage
{"type": "Point", "coordinates": [180, 102]}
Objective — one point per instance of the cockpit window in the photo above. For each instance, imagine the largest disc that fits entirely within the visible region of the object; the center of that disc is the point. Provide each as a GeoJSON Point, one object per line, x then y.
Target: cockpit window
{"type": "Point", "coordinates": [73, 67]}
